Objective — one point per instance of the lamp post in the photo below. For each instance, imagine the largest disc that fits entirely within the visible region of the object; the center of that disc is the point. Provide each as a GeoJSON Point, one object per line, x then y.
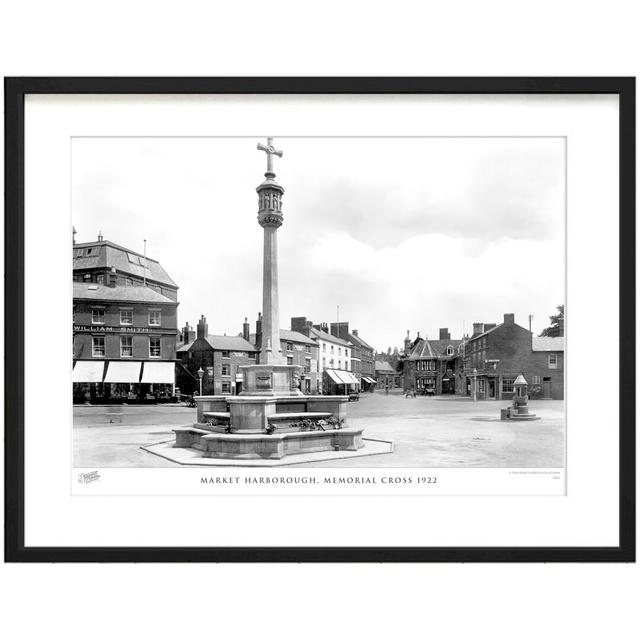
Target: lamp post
{"type": "Point", "coordinates": [200, 374]}
{"type": "Point", "coordinates": [475, 384]}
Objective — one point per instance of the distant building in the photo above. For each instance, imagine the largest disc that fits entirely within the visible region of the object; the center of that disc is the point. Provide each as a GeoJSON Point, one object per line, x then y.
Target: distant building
{"type": "Point", "coordinates": [386, 376]}
{"type": "Point", "coordinates": [219, 358]}
{"type": "Point", "coordinates": [428, 366]}
{"type": "Point", "coordinates": [495, 355]}
{"type": "Point", "coordinates": [334, 375]}
{"type": "Point", "coordinates": [362, 355]}
{"type": "Point", "coordinates": [124, 334]}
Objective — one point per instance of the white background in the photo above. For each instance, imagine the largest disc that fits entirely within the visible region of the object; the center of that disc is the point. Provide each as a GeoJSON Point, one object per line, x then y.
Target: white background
{"type": "Point", "coordinates": [489, 38]}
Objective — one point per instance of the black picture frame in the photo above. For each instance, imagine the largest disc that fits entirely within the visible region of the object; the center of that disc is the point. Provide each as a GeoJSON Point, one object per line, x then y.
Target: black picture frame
{"type": "Point", "coordinates": [15, 91]}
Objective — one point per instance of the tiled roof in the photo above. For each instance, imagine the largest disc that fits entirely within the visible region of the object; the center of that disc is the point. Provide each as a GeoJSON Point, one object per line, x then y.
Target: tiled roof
{"type": "Point", "coordinates": [109, 254]}
{"type": "Point", "coordinates": [91, 291]}
{"type": "Point", "coordinates": [544, 343]}
{"type": "Point", "coordinates": [327, 337]}
{"type": "Point", "coordinates": [384, 367]}
{"type": "Point", "coordinates": [230, 343]}
{"type": "Point", "coordinates": [432, 348]}
{"type": "Point", "coordinates": [480, 335]}
{"type": "Point", "coordinates": [295, 336]}
{"type": "Point", "coordinates": [359, 341]}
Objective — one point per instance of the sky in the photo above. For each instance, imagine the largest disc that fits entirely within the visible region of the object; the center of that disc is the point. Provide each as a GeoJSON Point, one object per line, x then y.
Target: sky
{"type": "Point", "coordinates": [399, 233]}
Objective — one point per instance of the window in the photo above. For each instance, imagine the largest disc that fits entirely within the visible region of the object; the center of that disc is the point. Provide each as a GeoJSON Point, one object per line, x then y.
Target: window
{"type": "Point", "coordinates": [339, 351]}
{"type": "Point", "coordinates": [289, 346]}
{"type": "Point", "coordinates": [307, 365]}
{"type": "Point", "coordinates": [289, 360]}
{"type": "Point", "coordinates": [155, 318]}
{"type": "Point", "coordinates": [346, 353]}
{"type": "Point", "coordinates": [535, 380]}
{"type": "Point", "coordinates": [97, 316]}
{"type": "Point", "coordinates": [128, 282]}
{"type": "Point", "coordinates": [307, 348]}
{"type": "Point", "coordinates": [252, 355]}
{"type": "Point", "coordinates": [331, 363]}
{"type": "Point", "coordinates": [226, 387]}
{"type": "Point", "coordinates": [553, 361]}
{"type": "Point", "coordinates": [346, 365]}
{"type": "Point", "coordinates": [226, 370]}
{"type": "Point", "coordinates": [507, 385]}
{"type": "Point", "coordinates": [339, 364]}
{"type": "Point", "coordinates": [324, 363]}
{"type": "Point", "coordinates": [324, 346]}
{"type": "Point", "coordinates": [100, 278]}
{"type": "Point", "coordinates": [126, 316]}
{"type": "Point", "coordinates": [225, 354]}
{"type": "Point", "coordinates": [331, 349]}
{"type": "Point", "coordinates": [126, 346]}
{"type": "Point", "coordinates": [97, 346]}
{"type": "Point", "coordinates": [154, 347]}
{"type": "Point", "coordinates": [449, 350]}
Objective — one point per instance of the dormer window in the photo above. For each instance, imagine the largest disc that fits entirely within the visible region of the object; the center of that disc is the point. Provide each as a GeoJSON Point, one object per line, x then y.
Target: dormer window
{"type": "Point", "coordinates": [449, 350]}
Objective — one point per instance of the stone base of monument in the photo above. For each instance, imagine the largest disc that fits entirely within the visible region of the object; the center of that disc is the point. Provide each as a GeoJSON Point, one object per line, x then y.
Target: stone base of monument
{"type": "Point", "coordinates": [520, 413]}
{"type": "Point", "coordinates": [271, 428]}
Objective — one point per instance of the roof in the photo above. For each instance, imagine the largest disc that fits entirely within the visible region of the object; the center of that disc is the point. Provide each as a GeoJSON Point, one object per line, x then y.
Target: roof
{"type": "Point", "coordinates": [91, 291]}
{"type": "Point", "coordinates": [323, 335]}
{"type": "Point", "coordinates": [357, 340]}
{"type": "Point", "coordinates": [295, 336]}
{"type": "Point", "coordinates": [384, 367]}
{"type": "Point", "coordinates": [107, 254]}
{"type": "Point", "coordinates": [544, 343]}
{"type": "Point", "coordinates": [230, 343]}
{"type": "Point", "coordinates": [431, 348]}
{"type": "Point", "coordinates": [480, 335]}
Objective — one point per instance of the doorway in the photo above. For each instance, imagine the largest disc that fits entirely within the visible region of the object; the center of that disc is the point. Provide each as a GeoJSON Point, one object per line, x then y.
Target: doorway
{"type": "Point", "coordinates": [546, 389]}
{"type": "Point", "coordinates": [491, 388]}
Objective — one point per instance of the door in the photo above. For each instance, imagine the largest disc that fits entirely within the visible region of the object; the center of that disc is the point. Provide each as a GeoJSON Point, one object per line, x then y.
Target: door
{"type": "Point", "coordinates": [491, 388]}
{"type": "Point", "coordinates": [546, 388]}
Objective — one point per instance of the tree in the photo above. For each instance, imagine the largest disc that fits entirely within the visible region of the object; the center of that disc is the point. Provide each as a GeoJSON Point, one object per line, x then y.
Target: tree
{"type": "Point", "coordinates": [556, 327]}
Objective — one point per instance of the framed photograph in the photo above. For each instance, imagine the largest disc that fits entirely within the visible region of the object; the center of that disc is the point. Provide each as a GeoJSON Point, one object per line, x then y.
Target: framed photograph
{"type": "Point", "coordinates": [320, 319]}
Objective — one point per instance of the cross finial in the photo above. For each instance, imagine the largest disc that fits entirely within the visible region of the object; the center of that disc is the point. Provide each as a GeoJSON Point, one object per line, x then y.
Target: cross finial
{"type": "Point", "coordinates": [271, 151]}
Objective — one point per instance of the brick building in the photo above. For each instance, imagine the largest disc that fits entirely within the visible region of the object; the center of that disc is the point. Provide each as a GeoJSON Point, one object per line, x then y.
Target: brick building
{"type": "Point", "coordinates": [219, 357]}
{"type": "Point", "coordinates": [386, 376]}
{"type": "Point", "coordinates": [428, 366]}
{"type": "Point", "coordinates": [124, 334]}
{"type": "Point", "coordinates": [495, 355]}
{"type": "Point", "coordinates": [362, 355]}
{"type": "Point", "coordinates": [334, 375]}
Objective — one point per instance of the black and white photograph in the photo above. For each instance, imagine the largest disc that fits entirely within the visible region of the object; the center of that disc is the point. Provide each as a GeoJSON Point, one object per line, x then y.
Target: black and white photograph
{"type": "Point", "coordinates": [319, 301]}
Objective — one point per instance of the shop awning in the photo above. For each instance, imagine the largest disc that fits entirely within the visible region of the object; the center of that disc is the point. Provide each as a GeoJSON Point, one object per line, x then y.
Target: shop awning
{"type": "Point", "coordinates": [88, 371]}
{"type": "Point", "coordinates": [342, 377]}
{"type": "Point", "coordinates": [334, 376]}
{"type": "Point", "coordinates": [123, 372]}
{"type": "Point", "coordinates": [159, 373]}
{"type": "Point", "coordinates": [368, 379]}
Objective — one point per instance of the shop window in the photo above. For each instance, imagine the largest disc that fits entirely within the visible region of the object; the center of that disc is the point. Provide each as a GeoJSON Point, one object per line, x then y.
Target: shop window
{"type": "Point", "coordinates": [97, 316]}
{"type": "Point", "coordinates": [553, 361]}
{"type": "Point", "coordinates": [97, 346]}
{"type": "Point", "coordinates": [126, 346]}
{"type": "Point", "coordinates": [155, 318]}
{"type": "Point", "coordinates": [507, 385]}
{"type": "Point", "coordinates": [126, 316]}
{"type": "Point", "coordinates": [154, 347]}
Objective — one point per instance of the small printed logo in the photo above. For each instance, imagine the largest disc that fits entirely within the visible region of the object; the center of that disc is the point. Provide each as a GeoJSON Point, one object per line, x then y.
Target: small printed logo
{"type": "Point", "coordinates": [86, 478]}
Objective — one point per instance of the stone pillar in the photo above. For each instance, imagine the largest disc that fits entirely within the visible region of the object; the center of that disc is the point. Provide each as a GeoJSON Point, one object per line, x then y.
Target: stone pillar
{"type": "Point", "coordinates": [270, 352]}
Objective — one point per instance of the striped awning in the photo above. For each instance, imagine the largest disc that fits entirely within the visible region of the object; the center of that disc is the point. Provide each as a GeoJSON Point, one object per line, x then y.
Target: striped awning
{"type": "Point", "coordinates": [88, 371]}
{"type": "Point", "coordinates": [342, 377]}
{"type": "Point", "coordinates": [123, 372]}
{"type": "Point", "coordinates": [159, 373]}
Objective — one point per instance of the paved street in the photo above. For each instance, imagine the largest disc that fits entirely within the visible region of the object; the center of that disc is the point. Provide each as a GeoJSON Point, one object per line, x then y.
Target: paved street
{"type": "Point", "coordinates": [427, 432]}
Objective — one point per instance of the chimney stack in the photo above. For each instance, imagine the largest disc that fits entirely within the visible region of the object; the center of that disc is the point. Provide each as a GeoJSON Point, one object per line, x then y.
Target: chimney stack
{"type": "Point", "coordinates": [100, 238]}
{"type": "Point", "coordinates": [509, 318]}
{"type": "Point", "coordinates": [245, 330]}
{"type": "Point", "coordinates": [188, 334]}
{"type": "Point", "coordinates": [340, 330]}
{"type": "Point", "coordinates": [355, 332]}
{"type": "Point", "coordinates": [203, 328]}
{"type": "Point", "coordinates": [299, 323]}
{"type": "Point", "coordinates": [444, 334]}
{"type": "Point", "coordinates": [478, 328]}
